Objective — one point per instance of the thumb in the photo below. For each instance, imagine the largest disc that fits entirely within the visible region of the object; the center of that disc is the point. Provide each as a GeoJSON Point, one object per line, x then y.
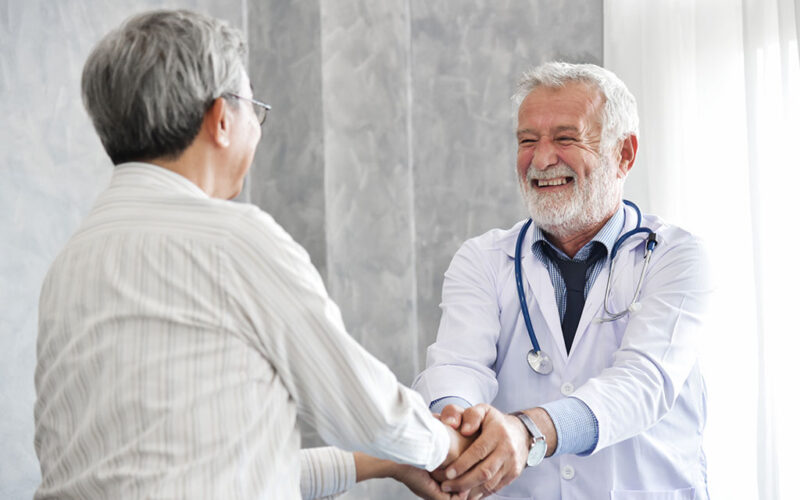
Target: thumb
{"type": "Point", "coordinates": [451, 415]}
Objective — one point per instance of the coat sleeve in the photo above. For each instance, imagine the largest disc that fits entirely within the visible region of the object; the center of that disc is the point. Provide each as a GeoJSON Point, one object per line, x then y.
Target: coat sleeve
{"type": "Point", "coordinates": [658, 350]}
{"type": "Point", "coordinates": [460, 363]}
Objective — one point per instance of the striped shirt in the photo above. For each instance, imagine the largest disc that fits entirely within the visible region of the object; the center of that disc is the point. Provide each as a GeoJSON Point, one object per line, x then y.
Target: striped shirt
{"type": "Point", "coordinates": [181, 336]}
{"type": "Point", "coordinates": [325, 472]}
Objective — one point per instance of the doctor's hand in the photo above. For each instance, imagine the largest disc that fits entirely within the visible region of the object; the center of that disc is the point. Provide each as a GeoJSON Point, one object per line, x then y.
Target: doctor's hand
{"type": "Point", "coordinates": [497, 456]}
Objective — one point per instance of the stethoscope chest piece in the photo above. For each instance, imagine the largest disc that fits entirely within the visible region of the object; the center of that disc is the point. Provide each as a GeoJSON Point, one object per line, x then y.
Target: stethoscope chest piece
{"type": "Point", "coordinates": [540, 362]}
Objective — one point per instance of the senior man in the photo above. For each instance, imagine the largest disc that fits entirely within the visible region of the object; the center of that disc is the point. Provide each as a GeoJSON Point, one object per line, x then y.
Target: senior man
{"type": "Point", "coordinates": [612, 397]}
{"type": "Point", "coordinates": [180, 333]}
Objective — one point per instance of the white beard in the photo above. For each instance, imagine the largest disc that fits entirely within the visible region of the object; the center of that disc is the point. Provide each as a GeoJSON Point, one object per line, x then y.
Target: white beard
{"type": "Point", "coordinates": [574, 211]}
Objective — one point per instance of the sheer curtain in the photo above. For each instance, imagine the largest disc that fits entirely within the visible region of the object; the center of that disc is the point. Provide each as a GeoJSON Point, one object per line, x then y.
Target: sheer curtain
{"type": "Point", "coordinates": [718, 85]}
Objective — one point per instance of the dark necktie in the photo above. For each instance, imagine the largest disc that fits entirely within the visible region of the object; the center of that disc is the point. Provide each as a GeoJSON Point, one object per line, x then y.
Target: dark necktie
{"type": "Point", "coordinates": [573, 272]}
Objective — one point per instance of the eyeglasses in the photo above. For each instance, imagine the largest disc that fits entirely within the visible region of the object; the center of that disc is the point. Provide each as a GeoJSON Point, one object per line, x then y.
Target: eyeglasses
{"type": "Point", "coordinates": [259, 108]}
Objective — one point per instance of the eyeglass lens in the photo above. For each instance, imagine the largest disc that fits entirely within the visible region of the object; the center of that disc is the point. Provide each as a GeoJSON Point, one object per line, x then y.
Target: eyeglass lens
{"type": "Point", "coordinates": [261, 113]}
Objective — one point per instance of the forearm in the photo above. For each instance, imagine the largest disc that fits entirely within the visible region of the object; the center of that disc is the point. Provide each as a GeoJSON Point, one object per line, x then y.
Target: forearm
{"type": "Point", "coordinates": [369, 467]}
{"type": "Point", "coordinates": [418, 481]}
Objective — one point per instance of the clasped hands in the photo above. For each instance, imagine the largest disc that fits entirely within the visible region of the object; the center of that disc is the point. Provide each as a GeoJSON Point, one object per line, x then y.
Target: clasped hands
{"type": "Point", "coordinates": [488, 450]}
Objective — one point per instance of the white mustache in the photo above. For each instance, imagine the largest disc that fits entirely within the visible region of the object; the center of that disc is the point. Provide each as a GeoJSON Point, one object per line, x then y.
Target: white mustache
{"type": "Point", "coordinates": [559, 170]}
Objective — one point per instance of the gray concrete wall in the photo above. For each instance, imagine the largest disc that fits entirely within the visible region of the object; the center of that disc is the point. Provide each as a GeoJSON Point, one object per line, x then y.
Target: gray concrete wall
{"type": "Point", "coordinates": [390, 142]}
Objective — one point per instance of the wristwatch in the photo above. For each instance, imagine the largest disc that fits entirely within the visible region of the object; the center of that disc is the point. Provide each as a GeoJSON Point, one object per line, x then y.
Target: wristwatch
{"type": "Point", "coordinates": [538, 442]}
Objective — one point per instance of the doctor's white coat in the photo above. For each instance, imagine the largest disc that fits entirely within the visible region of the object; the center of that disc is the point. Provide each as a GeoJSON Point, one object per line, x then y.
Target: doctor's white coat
{"type": "Point", "coordinates": [639, 374]}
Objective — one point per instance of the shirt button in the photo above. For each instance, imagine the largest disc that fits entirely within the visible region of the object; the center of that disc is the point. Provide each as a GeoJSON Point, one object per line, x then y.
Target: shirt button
{"type": "Point", "coordinates": [567, 388]}
{"type": "Point", "coordinates": [567, 472]}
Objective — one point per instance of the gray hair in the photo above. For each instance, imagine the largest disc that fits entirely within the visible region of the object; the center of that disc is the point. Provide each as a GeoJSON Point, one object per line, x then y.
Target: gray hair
{"type": "Point", "coordinates": [620, 116]}
{"type": "Point", "coordinates": [148, 84]}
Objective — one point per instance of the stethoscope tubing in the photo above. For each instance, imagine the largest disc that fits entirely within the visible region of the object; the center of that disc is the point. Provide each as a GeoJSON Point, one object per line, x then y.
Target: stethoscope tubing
{"type": "Point", "coordinates": [521, 288]}
{"type": "Point", "coordinates": [650, 245]}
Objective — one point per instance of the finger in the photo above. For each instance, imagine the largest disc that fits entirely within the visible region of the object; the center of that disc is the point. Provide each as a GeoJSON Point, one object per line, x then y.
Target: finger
{"type": "Point", "coordinates": [472, 418]}
{"type": "Point", "coordinates": [475, 494]}
{"type": "Point", "coordinates": [499, 469]}
{"type": "Point", "coordinates": [477, 451]}
{"type": "Point", "coordinates": [495, 483]}
{"type": "Point", "coordinates": [486, 476]}
{"type": "Point", "coordinates": [451, 415]}
{"type": "Point", "coordinates": [421, 483]}
{"type": "Point", "coordinates": [438, 475]}
{"type": "Point", "coordinates": [505, 476]}
{"type": "Point", "coordinates": [433, 491]}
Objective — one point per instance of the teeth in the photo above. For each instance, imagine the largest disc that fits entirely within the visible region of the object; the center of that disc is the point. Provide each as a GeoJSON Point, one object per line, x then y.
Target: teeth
{"type": "Point", "coordinates": [552, 182]}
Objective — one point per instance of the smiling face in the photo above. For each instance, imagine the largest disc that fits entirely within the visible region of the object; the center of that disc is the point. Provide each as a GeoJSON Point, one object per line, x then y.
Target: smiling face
{"type": "Point", "coordinates": [571, 185]}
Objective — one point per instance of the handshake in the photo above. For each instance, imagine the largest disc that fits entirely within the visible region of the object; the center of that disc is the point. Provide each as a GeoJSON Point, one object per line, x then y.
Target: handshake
{"type": "Point", "coordinates": [488, 450]}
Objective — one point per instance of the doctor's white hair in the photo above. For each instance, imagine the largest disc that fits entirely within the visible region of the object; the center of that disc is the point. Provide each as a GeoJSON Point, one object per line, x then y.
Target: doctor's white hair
{"type": "Point", "coordinates": [148, 84]}
{"type": "Point", "coordinates": [620, 116]}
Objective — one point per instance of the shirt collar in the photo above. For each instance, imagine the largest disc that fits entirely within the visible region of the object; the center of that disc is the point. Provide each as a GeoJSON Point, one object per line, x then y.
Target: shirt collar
{"type": "Point", "coordinates": [153, 178]}
{"type": "Point", "coordinates": [607, 235]}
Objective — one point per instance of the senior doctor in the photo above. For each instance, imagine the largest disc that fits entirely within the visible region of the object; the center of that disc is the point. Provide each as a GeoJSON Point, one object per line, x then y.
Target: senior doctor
{"type": "Point", "coordinates": [611, 404]}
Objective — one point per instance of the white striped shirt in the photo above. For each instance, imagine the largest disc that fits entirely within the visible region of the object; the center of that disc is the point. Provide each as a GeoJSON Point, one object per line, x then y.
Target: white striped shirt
{"type": "Point", "coordinates": [179, 338]}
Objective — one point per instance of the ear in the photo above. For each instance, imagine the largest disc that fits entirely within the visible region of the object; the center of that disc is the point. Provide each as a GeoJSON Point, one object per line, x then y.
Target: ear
{"type": "Point", "coordinates": [216, 123]}
{"type": "Point", "coordinates": [627, 155]}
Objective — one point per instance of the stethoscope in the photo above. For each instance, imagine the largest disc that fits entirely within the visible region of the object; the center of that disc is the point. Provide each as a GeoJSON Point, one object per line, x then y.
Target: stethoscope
{"type": "Point", "coordinates": [540, 362]}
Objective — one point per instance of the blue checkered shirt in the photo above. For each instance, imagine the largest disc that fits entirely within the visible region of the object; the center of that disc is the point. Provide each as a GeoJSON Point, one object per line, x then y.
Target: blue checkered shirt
{"type": "Point", "coordinates": [605, 238]}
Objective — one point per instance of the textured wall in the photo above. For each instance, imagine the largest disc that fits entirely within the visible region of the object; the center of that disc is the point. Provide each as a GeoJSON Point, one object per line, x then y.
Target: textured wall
{"type": "Point", "coordinates": [288, 174]}
{"type": "Point", "coordinates": [390, 142]}
{"type": "Point", "coordinates": [466, 63]}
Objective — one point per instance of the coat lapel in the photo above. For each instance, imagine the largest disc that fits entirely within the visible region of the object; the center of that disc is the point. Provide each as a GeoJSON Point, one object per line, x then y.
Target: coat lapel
{"type": "Point", "coordinates": [542, 296]}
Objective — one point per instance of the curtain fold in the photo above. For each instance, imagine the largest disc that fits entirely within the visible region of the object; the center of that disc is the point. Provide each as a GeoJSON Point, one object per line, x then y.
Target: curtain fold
{"type": "Point", "coordinates": [718, 87]}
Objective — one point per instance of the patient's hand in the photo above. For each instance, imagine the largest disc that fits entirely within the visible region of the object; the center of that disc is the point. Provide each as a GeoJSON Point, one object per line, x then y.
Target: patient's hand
{"type": "Point", "coordinates": [458, 445]}
{"type": "Point", "coordinates": [451, 415]}
{"type": "Point", "coordinates": [421, 483]}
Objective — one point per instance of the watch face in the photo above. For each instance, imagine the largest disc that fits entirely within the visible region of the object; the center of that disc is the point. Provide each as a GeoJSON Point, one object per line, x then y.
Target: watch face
{"type": "Point", "coordinates": [538, 450]}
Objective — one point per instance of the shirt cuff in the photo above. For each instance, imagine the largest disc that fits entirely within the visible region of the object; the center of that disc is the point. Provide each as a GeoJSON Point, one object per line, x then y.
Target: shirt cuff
{"type": "Point", "coordinates": [576, 426]}
{"type": "Point", "coordinates": [438, 405]}
{"type": "Point", "coordinates": [326, 472]}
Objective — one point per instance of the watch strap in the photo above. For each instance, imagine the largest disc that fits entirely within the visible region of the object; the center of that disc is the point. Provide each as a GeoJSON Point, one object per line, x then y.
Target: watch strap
{"type": "Point", "coordinates": [529, 424]}
{"type": "Point", "coordinates": [538, 442]}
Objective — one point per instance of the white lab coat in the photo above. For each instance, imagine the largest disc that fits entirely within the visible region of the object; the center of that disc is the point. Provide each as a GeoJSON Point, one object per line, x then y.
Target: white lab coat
{"type": "Point", "coordinates": [639, 374]}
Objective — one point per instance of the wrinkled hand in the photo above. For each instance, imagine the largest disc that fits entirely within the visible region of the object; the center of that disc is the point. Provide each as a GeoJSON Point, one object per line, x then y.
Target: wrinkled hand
{"type": "Point", "coordinates": [495, 458]}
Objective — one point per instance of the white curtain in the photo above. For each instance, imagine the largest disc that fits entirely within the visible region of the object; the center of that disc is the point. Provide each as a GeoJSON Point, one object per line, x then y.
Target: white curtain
{"type": "Point", "coordinates": [718, 86]}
